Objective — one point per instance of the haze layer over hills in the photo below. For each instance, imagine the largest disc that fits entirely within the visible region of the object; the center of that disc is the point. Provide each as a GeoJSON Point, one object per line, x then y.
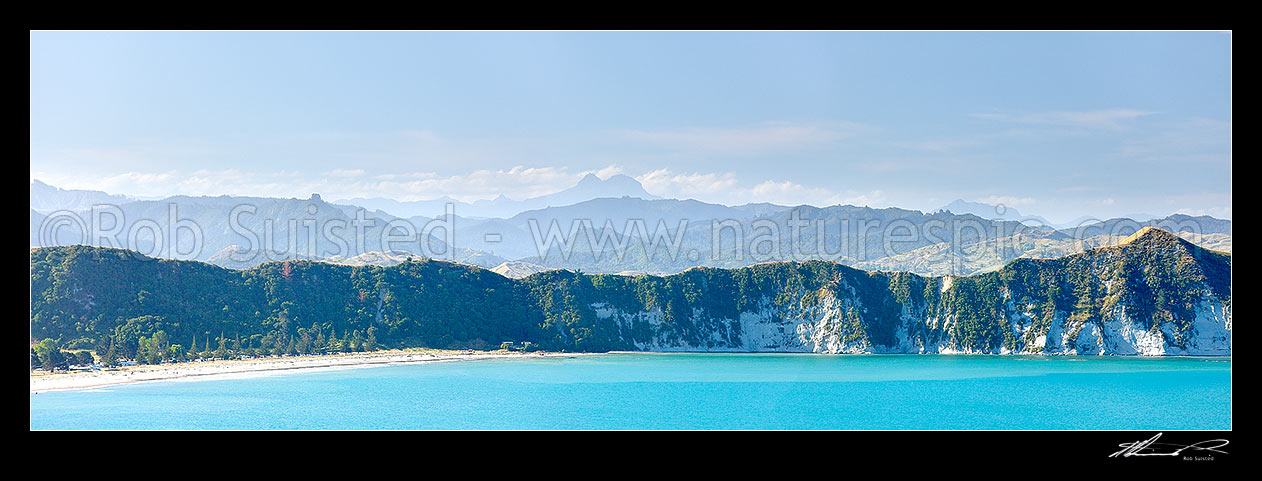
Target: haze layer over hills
{"type": "Point", "coordinates": [598, 226]}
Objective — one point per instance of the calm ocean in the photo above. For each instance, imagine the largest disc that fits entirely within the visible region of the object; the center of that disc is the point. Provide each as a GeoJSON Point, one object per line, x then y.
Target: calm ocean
{"type": "Point", "coordinates": [681, 391]}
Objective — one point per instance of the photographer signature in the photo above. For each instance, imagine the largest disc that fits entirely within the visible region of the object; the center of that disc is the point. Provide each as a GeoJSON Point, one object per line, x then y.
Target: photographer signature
{"type": "Point", "coordinates": [1151, 447]}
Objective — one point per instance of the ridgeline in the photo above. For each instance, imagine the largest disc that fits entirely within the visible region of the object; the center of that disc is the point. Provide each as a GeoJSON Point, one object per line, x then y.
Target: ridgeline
{"type": "Point", "coordinates": [1153, 294]}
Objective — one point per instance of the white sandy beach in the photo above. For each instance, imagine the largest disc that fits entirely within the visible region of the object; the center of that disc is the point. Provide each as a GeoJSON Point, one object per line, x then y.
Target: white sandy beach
{"type": "Point", "coordinates": [44, 382]}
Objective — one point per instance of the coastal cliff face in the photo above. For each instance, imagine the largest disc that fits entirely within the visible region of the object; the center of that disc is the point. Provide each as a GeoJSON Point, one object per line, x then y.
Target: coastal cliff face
{"type": "Point", "coordinates": [830, 328]}
{"type": "Point", "coordinates": [1099, 303]}
{"type": "Point", "coordinates": [1155, 294]}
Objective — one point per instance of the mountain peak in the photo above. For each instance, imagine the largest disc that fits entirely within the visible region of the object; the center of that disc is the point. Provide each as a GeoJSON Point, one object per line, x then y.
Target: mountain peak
{"type": "Point", "coordinates": [592, 187]}
{"type": "Point", "coordinates": [1150, 235]}
{"type": "Point", "coordinates": [981, 209]}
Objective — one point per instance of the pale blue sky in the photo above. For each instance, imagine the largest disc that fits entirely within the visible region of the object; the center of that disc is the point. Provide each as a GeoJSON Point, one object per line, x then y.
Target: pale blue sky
{"type": "Point", "coordinates": [1059, 124]}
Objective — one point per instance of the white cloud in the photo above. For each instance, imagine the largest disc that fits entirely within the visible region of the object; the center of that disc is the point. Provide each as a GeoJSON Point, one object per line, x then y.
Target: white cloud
{"type": "Point", "coordinates": [609, 171]}
{"type": "Point", "coordinates": [518, 182]}
{"type": "Point", "coordinates": [1007, 200]}
{"type": "Point", "coordinates": [726, 188]}
{"type": "Point", "coordinates": [875, 198]}
{"type": "Point", "coordinates": [1219, 212]}
{"type": "Point", "coordinates": [345, 173]}
{"type": "Point", "coordinates": [665, 183]}
{"type": "Point", "coordinates": [791, 193]}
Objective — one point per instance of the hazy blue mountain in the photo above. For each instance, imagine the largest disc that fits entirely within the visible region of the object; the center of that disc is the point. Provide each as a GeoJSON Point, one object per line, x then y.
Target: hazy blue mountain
{"type": "Point", "coordinates": [424, 208]}
{"type": "Point", "coordinates": [994, 212]}
{"type": "Point", "coordinates": [290, 222]}
{"type": "Point", "coordinates": [630, 233]}
{"type": "Point", "coordinates": [37, 220]}
{"type": "Point", "coordinates": [46, 198]}
{"type": "Point", "coordinates": [847, 234]}
{"type": "Point", "coordinates": [590, 187]}
{"type": "Point", "coordinates": [761, 209]}
{"type": "Point", "coordinates": [1174, 223]}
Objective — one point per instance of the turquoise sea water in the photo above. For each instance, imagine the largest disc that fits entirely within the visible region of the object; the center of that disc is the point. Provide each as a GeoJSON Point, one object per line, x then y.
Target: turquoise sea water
{"type": "Point", "coordinates": [680, 391]}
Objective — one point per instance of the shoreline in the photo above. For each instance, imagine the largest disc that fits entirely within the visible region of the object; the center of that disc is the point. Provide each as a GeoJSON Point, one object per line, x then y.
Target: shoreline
{"type": "Point", "coordinates": [48, 382]}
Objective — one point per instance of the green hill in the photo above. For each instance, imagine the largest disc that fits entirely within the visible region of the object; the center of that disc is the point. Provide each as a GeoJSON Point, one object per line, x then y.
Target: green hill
{"type": "Point", "coordinates": [1111, 300]}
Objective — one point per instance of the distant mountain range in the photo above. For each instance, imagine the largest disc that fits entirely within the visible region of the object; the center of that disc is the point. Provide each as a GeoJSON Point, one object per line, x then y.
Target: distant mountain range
{"type": "Point", "coordinates": [1003, 212]}
{"type": "Point", "coordinates": [597, 226]}
{"type": "Point", "coordinates": [46, 198]}
{"type": "Point", "coordinates": [590, 187]}
{"type": "Point", "coordinates": [993, 212]}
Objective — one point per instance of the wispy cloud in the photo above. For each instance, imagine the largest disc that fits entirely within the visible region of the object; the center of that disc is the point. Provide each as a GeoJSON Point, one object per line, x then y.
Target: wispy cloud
{"type": "Point", "coordinates": [726, 188]}
{"type": "Point", "coordinates": [944, 145]}
{"type": "Point", "coordinates": [1007, 200]}
{"type": "Point", "coordinates": [1079, 188]}
{"type": "Point", "coordinates": [770, 137]}
{"type": "Point", "coordinates": [345, 173]}
{"type": "Point", "coordinates": [1111, 119]}
{"type": "Point", "coordinates": [1190, 140]}
{"type": "Point", "coordinates": [666, 183]}
{"type": "Point", "coordinates": [1219, 212]}
{"type": "Point", "coordinates": [518, 182]}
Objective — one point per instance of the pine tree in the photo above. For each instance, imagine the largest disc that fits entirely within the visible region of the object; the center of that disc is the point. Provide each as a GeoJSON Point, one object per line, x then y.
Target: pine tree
{"type": "Point", "coordinates": [335, 344]}
{"type": "Point", "coordinates": [158, 350]}
{"type": "Point", "coordinates": [111, 355]}
{"type": "Point", "coordinates": [142, 351]}
{"type": "Point", "coordinates": [222, 352]}
{"type": "Point", "coordinates": [371, 343]}
{"type": "Point", "coordinates": [357, 342]}
{"type": "Point", "coordinates": [319, 340]}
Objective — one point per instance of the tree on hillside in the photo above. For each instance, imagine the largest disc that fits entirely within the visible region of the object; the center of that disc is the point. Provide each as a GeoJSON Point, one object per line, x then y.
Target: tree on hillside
{"type": "Point", "coordinates": [142, 350]}
{"type": "Point", "coordinates": [357, 341]}
{"type": "Point", "coordinates": [50, 356]}
{"type": "Point", "coordinates": [370, 344]}
{"type": "Point", "coordinates": [111, 355]}
{"type": "Point", "coordinates": [158, 348]}
{"type": "Point", "coordinates": [334, 344]}
{"type": "Point", "coordinates": [304, 341]}
{"type": "Point", "coordinates": [320, 343]}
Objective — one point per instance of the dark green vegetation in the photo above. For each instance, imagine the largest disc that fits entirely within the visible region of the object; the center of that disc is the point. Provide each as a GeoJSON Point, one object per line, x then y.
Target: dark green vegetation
{"type": "Point", "coordinates": [120, 304]}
